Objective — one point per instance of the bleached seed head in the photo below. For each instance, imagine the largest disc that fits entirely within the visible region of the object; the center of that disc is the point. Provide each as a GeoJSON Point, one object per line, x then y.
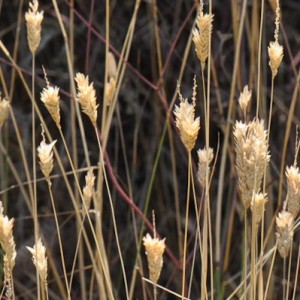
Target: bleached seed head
{"type": "Point", "coordinates": [186, 122]}
{"type": "Point", "coordinates": [275, 52]}
{"type": "Point", "coordinates": [285, 232]}
{"type": "Point", "coordinates": [88, 190]}
{"type": "Point", "coordinates": [258, 206]}
{"type": "Point", "coordinates": [202, 35]}
{"type": "Point", "coordinates": [86, 96]}
{"type": "Point", "coordinates": [205, 157]}
{"type": "Point", "coordinates": [252, 156]}
{"type": "Point", "coordinates": [293, 185]}
{"type": "Point", "coordinates": [39, 259]}
{"type": "Point", "coordinates": [4, 110]}
{"type": "Point", "coordinates": [111, 66]}
{"type": "Point", "coordinates": [110, 89]}
{"type": "Point", "coordinates": [50, 97]}
{"type": "Point", "coordinates": [45, 154]}
{"type": "Point", "coordinates": [154, 251]}
{"type": "Point", "coordinates": [245, 98]}
{"type": "Point", "coordinates": [34, 20]}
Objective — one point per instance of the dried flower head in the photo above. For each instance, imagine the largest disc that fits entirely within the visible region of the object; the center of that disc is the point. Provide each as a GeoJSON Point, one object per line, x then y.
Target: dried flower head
{"type": "Point", "coordinates": [50, 97]}
{"type": "Point", "coordinates": [9, 247]}
{"type": "Point", "coordinates": [285, 232]}
{"type": "Point", "coordinates": [185, 120]}
{"type": "Point", "coordinates": [275, 55]}
{"type": "Point", "coordinates": [252, 156]}
{"type": "Point", "coordinates": [88, 190]}
{"type": "Point", "coordinates": [258, 206]}
{"type": "Point", "coordinates": [154, 251]}
{"type": "Point", "coordinates": [39, 259]}
{"type": "Point", "coordinates": [4, 110]}
{"type": "Point", "coordinates": [201, 36]}
{"type": "Point", "coordinates": [111, 66]}
{"type": "Point", "coordinates": [110, 89]}
{"type": "Point", "coordinates": [86, 96]}
{"type": "Point", "coordinates": [34, 20]}
{"type": "Point", "coordinates": [244, 99]}
{"type": "Point", "coordinates": [293, 194]}
{"type": "Point", "coordinates": [45, 153]}
{"type": "Point", "coordinates": [205, 157]}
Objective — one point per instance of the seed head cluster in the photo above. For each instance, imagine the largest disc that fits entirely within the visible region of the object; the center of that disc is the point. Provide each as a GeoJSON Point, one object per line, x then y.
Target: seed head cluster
{"type": "Point", "coordinates": [293, 194]}
{"type": "Point", "coordinates": [252, 156]}
{"type": "Point", "coordinates": [205, 157]}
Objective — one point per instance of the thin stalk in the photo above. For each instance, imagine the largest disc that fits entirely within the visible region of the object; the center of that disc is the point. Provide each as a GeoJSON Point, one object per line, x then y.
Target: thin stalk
{"type": "Point", "coordinates": [270, 273]}
{"type": "Point", "coordinates": [296, 274]}
{"type": "Point", "coordinates": [112, 212]}
{"type": "Point", "coordinates": [186, 225]}
{"type": "Point", "coordinates": [59, 238]}
{"type": "Point", "coordinates": [245, 251]}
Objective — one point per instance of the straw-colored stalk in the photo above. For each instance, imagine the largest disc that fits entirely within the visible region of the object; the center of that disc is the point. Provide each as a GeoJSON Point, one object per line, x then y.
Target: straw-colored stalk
{"type": "Point", "coordinates": [186, 122]}
{"type": "Point", "coordinates": [252, 156]}
{"type": "Point", "coordinates": [34, 20]}
{"type": "Point", "coordinates": [9, 247]}
{"type": "Point", "coordinates": [86, 96]}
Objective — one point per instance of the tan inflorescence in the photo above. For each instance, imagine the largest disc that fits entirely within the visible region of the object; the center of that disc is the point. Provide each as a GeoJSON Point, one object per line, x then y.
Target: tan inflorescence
{"type": "Point", "coordinates": [244, 99]}
{"type": "Point", "coordinates": [252, 156]}
{"type": "Point", "coordinates": [275, 50]}
{"type": "Point", "coordinates": [86, 96]}
{"type": "Point", "coordinates": [50, 97]}
{"type": "Point", "coordinates": [88, 189]}
{"type": "Point", "coordinates": [45, 153]}
{"type": "Point", "coordinates": [4, 110]}
{"type": "Point", "coordinates": [9, 247]}
{"type": "Point", "coordinates": [186, 122]}
{"type": "Point", "coordinates": [202, 34]}
{"type": "Point", "coordinates": [34, 20]}
{"type": "Point", "coordinates": [258, 206]}
{"type": "Point", "coordinates": [205, 157]}
{"type": "Point", "coordinates": [293, 194]}
{"type": "Point", "coordinates": [154, 251]}
{"type": "Point", "coordinates": [285, 232]}
{"type": "Point", "coordinates": [111, 83]}
{"type": "Point", "coordinates": [39, 259]}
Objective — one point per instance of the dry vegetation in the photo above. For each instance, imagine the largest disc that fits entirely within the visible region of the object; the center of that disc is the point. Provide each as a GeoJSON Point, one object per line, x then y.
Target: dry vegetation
{"type": "Point", "coordinates": [149, 149]}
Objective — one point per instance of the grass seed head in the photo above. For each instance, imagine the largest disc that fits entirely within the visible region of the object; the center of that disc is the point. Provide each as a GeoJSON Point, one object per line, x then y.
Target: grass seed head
{"type": "Point", "coordinates": [293, 185]}
{"type": "Point", "coordinates": [186, 122]}
{"type": "Point", "coordinates": [86, 96]}
{"type": "Point", "coordinates": [45, 153]}
{"type": "Point", "coordinates": [252, 156]}
{"type": "Point", "coordinates": [88, 190]}
{"type": "Point", "coordinates": [275, 55]}
{"type": "Point", "coordinates": [34, 20]}
{"type": "Point", "coordinates": [50, 97]}
{"type": "Point", "coordinates": [285, 232]}
{"type": "Point", "coordinates": [244, 99]}
{"type": "Point", "coordinates": [258, 206]}
{"type": "Point", "coordinates": [4, 110]}
{"type": "Point", "coordinates": [111, 66]}
{"type": "Point", "coordinates": [110, 89]}
{"type": "Point", "coordinates": [154, 251]}
{"type": "Point", "coordinates": [39, 259]}
{"type": "Point", "coordinates": [205, 157]}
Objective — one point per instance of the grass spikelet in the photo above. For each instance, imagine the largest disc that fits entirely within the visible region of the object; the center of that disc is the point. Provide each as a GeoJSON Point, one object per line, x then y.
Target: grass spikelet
{"type": "Point", "coordinates": [251, 149]}
{"type": "Point", "coordinates": [86, 96]}
{"type": "Point", "coordinates": [39, 259]}
{"type": "Point", "coordinates": [257, 206]}
{"type": "Point", "coordinates": [88, 190]}
{"type": "Point", "coordinates": [186, 122]}
{"type": "Point", "coordinates": [244, 99]}
{"type": "Point", "coordinates": [205, 157]}
{"type": "Point", "coordinates": [50, 97]}
{"type": "Point", "coordinates": [111, 66]}
{"type": "Point", "coordinates": [9, 247]}
{"type": "Point", "coordinates": [285, 232]}
{"type": "Point", "coordinates": [201, 35]}
{"type": "Point", "coordinates": [110, 89]}
{"type": "Point", "coordinates": [293, 195]}
{"type": "Point", "coordinates": [4, 110]}
{"type": "Point", "coordinates": [34, 20]}
{"type": "Point", "coordinates": [45, 153]}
